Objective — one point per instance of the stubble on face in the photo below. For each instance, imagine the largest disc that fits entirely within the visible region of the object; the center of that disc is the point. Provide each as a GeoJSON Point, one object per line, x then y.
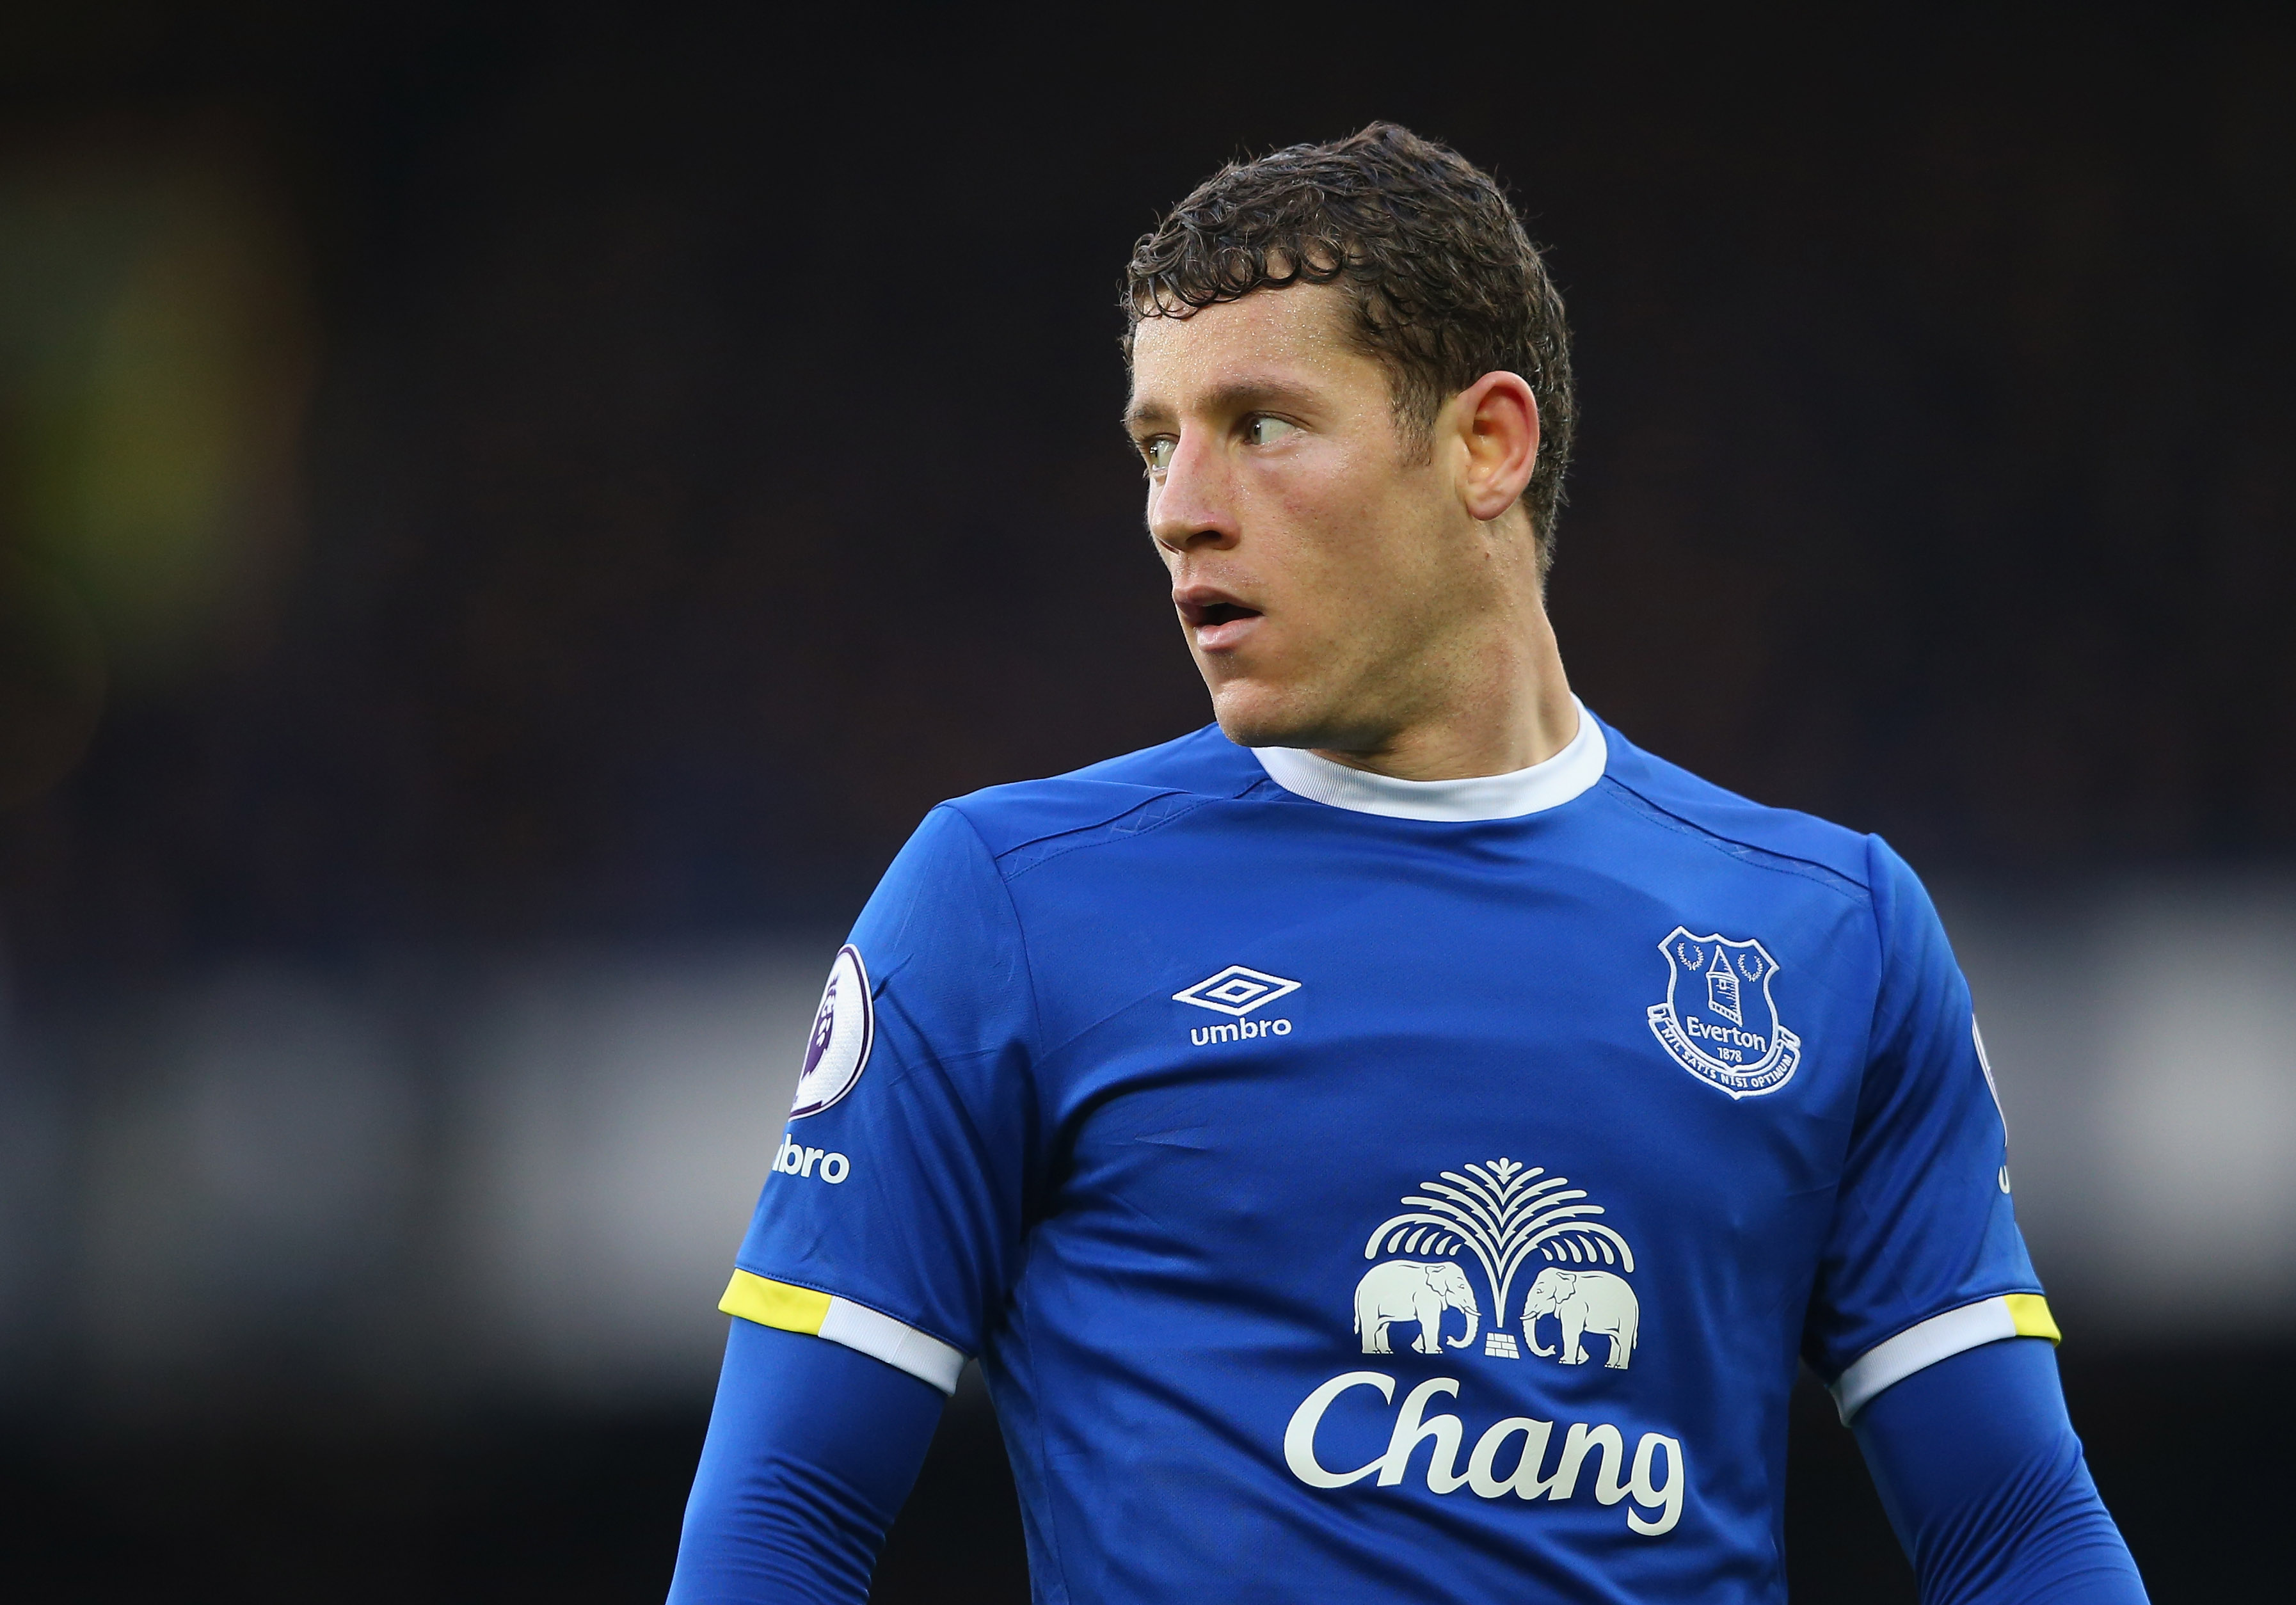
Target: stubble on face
{"type": "Point", "coordinates": [1323, 570]}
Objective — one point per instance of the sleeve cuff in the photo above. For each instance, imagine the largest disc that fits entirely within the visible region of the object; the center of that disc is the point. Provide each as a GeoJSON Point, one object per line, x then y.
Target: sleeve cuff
{"type": "Point", "coordinates": [1940, 1338]}
{"type": "Point", "coordinates": [856, 1326]}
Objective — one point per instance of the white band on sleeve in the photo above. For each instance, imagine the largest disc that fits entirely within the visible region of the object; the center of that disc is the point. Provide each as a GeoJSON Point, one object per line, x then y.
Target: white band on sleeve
{"type": "Point", "coordinates": [856, 1326]}
{"type": "Point", "coordinates": [1939, 1337]}
{"type": "Point", "coordinates": [882, 1338]}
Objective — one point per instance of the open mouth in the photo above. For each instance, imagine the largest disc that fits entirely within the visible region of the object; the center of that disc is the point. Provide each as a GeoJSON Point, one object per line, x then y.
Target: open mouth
{"type": "Point", "coordinates": [1216, 623]}
{"type": "Point", "coordinates": [1212, 615]}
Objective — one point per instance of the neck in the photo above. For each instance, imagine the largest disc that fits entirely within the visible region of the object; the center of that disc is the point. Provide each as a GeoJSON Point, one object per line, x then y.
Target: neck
{"type": "Point", "coordinates": [1512, 709]}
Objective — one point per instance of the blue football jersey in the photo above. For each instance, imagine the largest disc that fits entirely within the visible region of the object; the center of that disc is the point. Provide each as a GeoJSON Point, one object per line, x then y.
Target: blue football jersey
{"type": "Point", "coordinates": [1355, 1188]}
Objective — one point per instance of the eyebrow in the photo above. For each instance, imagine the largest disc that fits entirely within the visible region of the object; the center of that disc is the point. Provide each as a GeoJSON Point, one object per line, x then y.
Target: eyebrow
{"type": "Point", "coordinates": [1243, 395]}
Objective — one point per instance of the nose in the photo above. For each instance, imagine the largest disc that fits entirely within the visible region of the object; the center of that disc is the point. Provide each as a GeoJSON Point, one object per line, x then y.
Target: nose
{"type": "Point", "coordinates": [1193, 506]}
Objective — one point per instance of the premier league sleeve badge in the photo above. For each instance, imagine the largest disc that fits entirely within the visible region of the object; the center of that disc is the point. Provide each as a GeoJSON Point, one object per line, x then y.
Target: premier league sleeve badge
{"type": "Point", "coordinates": [844, 1029]}
{"type": "Point", "coordinates": [1719, 1022]}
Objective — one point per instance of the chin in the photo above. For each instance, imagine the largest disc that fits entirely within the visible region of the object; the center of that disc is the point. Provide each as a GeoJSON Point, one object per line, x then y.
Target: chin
{"type": "Point", "coordinates": [1253, 715]}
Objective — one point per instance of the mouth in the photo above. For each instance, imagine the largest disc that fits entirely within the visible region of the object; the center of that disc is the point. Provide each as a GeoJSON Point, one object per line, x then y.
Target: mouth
{"type": "Point", "coordinates": [1217, 623]}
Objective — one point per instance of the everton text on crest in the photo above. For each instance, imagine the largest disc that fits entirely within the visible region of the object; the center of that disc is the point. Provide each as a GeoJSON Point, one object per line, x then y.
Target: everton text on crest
{"type": "Point", "coordinates": [1719, 1022]}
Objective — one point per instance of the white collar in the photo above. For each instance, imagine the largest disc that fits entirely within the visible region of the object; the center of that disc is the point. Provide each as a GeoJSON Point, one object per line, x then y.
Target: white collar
{"type": "Point", "coordinates": [1532, 790]}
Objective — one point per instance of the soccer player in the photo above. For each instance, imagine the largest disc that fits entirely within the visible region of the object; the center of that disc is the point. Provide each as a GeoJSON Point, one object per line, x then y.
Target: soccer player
{"type": "Point", "coordinates": [1399, 1142]}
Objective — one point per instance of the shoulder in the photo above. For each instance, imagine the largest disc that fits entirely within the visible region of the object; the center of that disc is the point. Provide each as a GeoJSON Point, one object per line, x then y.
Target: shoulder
{"type": "Point", "coordinates": [1018, 824]}
{"type": "Point", "coordinates": [1672, 798]}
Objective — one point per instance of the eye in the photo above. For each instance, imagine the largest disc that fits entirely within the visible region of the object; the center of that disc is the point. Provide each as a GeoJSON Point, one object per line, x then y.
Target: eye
{"type": "Point", "coordinates": [1264, 430]}
{"type": "Point", "coordinates": [1158, 453]}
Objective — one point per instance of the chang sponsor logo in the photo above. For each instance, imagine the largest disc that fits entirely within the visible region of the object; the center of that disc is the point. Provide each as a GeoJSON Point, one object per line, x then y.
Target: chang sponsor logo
{"type": "Point", "coordinates": [1515, 1457]}
{"type": "Point", "coordinates": [1508, 1222]}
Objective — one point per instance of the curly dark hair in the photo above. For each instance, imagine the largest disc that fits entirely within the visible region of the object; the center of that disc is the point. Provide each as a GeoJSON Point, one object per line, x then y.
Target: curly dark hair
{"type": "Point", "coordinates": [1446, 284]}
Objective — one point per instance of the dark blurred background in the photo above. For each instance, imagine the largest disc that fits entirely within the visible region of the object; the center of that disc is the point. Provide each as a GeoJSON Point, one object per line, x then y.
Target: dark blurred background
{"type": "Point", "coordinates": [509, 514]}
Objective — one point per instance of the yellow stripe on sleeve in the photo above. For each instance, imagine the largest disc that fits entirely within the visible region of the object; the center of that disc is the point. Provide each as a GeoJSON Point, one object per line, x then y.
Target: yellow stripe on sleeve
{"type": "Point", "coordinates": [2031, 1313]}
{"type": "Point", "coordinates": [775, 1304]}
{"type": "Point", "coordinates": [856, 1326]}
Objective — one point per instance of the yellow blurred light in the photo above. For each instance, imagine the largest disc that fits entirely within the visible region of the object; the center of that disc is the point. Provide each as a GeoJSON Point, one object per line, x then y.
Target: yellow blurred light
{"type": "Point", "coordinates": [154, 366]}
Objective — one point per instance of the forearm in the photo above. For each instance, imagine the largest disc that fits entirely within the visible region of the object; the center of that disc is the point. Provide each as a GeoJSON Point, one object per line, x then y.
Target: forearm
{"type": "Point", "coordinates": [812, 1449]}
{"type": "Point", "coordinates": [1982, 1478]}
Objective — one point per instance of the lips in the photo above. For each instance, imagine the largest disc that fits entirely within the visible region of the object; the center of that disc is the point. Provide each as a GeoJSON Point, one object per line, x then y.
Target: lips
{"type": "Point", "coordinates": [1216, 621]}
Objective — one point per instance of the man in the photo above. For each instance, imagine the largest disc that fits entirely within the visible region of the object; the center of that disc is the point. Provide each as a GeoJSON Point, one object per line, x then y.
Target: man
{"type": "Point", "coordinates": [1396, 1144]}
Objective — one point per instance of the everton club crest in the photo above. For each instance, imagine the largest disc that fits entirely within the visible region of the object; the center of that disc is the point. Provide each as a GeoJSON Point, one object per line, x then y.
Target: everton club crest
{"type": "Point", "coordinates": [1718, 1022]}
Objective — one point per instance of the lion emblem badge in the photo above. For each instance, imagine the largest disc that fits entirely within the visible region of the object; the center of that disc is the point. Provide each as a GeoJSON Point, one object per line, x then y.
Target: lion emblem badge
{"type": "Point", "coordinates": [1719, 1022]}
{"type": "Point", "coordinates": [843, 1029]}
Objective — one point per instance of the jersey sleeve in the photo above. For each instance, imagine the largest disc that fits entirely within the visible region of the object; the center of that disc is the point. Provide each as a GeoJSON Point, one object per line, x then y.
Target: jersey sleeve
{"type": "Point", "coordinates": [892, 1218]}
{"type": "Point", "coordinates": [1978, 1467]}
{"type": "Point", "coordinates": [1924, 1259]}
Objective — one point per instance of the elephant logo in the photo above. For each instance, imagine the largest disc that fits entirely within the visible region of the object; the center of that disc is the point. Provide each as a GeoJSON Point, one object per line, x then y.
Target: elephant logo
{"type": "Point", "coordinates": [1501, 1216]}
{"type": "Point", "coordinates": [1405, 1289]}
{"type": "Point", "coordinates": [1582, 1302]}
{"type": "Point", "coordinates": [1719, 1020]}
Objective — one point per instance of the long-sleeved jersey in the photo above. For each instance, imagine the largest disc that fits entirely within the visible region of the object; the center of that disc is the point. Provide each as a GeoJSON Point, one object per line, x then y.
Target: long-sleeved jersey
{"type": "Point", "coordinates": [1358, 1187]}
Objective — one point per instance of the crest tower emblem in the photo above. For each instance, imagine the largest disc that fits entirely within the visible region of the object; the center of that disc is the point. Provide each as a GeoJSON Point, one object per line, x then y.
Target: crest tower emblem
{"type": "Point", "coordinates": [1719, 1022]}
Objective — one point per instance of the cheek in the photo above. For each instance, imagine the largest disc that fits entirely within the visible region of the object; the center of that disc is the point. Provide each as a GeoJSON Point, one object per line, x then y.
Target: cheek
{"type": "Point", "coordinates": [1329, 507]}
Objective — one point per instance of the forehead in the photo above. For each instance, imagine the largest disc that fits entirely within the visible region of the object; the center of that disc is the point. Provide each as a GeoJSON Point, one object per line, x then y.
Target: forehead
{"type": "Point", "coordinates": [1292, 338]}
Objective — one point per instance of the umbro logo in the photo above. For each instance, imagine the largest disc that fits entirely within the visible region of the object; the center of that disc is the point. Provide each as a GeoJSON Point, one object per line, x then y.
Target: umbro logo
{"type": "Point", "coordinates": [1236, 990]}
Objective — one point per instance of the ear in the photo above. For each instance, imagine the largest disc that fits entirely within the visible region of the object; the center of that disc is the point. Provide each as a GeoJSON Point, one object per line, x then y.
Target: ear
{"type": "Point", "coordinates": [1496, 419]}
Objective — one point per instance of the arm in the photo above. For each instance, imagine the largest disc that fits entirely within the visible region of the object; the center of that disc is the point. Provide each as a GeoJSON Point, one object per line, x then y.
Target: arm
{"type": "Point", "coordinates": [812, 1448]}
{"type": "Point", "coordinates": [884, 1239]}
{"type": "Point", "coordinates": [1927, 1314]}
{"type": "Point", "coordinates": [1982, 1478]}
